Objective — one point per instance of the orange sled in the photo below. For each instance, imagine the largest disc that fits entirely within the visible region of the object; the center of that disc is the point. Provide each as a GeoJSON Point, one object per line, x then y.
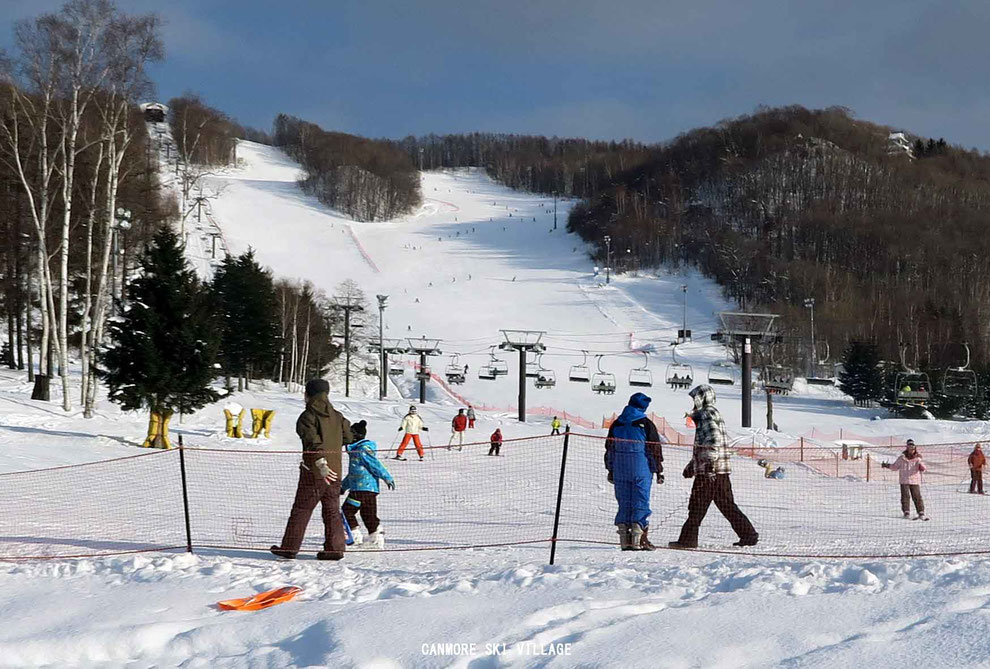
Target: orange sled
{"type": "Point", "coordinates": [260, 601]}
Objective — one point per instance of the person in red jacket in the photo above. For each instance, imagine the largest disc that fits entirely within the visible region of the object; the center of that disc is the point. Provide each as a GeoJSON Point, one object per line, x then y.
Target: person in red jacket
{"type": "Point", "coordinates": [496, 440]}
{"type": "Point", "coordinates": [457, 427]}
{"type": "Point", "coordinates": [976, 463]}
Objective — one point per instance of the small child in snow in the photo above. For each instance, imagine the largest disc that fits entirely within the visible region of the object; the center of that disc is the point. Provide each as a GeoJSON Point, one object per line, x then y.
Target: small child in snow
{"type": "Point", "coordinates": [496, 442]}
{"type": "Point", "coordinates": [364, 471]}
{"type": "Point", "coordinates": [909, 467]}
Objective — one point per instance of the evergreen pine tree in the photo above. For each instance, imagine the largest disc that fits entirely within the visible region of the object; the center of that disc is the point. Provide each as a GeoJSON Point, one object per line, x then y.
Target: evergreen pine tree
{"type": "Point", "coordinates": [164, 347]}
{"type": "Point", "coordinates": [861, 376]}
{"type": "Point", "coordinates": [250, 332]}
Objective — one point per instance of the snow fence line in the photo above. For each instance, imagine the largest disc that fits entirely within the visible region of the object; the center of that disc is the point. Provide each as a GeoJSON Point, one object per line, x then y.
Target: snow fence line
{"type": "Point", "coordinates": [538, 492]}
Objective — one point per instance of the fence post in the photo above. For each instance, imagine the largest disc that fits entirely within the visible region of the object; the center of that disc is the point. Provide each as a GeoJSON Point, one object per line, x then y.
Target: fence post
{"type": "Point", "coordinates": [560, 494]}
{"type": "Point", "coordinates": [836, 465]}
{"type": "Point", "coordinates": [801, 457]}
{"type": "Point", "coordinates": [185, 495]}
{"type": "Point", "coordinates": [867, 467]}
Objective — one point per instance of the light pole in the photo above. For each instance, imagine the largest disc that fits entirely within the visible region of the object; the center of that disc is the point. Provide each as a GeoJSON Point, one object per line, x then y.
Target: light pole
{"type": "Point", "coordinates": [809, 303]}
{"type": "Point", "coordinates": [421, 159]}
{"type": "Point", "coordinates": [382, 389]}
{"type": "Point", "coordinates": [684, 332]}
{"type": "Point", "coordinates": [122, 224]}
{"type": "Point", "coordinates": [608, 257]}
{"type": "Point", "coordinates": [555, 210]}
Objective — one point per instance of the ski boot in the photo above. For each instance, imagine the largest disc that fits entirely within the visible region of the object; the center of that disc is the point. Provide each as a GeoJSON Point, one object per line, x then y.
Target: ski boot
{"type": "Point", "coordinates": [625, 538]}
{"type": "Point", "coordinates": [636, 533]}
{"type": "Point", "coordinates": [644, 542]}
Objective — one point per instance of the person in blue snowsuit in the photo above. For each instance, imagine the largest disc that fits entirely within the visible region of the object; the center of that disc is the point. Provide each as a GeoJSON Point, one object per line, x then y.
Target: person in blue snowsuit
{"type": "Point", "coordinates": [364, 471]}
{"type": "Point", "coordinates": [633, 456]}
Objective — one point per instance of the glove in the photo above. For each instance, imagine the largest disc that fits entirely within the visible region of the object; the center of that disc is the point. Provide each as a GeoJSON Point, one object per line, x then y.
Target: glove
{"type": "Point", "coordinates": [885, 465]}
{"type": "Point", "coordinates": [659, 478]}
{"type": "Point", "coordinates": [399, 430]}
{"type": "Point", "coordinates": [324, 471]}
{"type": "Point", "coordinates": [610, 479]}
{"type": "Point", "coordinates": [426, 429]}
{"type": "Point", "coordinates": [688, 470]}
{"type": "Point", "coordinates": [390, 484]}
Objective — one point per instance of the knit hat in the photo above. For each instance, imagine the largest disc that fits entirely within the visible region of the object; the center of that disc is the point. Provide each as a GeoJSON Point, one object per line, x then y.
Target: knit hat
{"type": "Point", "coordinates": [412, 409]}
{"type": "Point", "coordinates": [316, 386]}
{"type": "Point", "coordinates": [359, 430]}
{"type": "Point", "coordinates": [910, 442]}
{"type": "Point", "coordinates": [639, 401]}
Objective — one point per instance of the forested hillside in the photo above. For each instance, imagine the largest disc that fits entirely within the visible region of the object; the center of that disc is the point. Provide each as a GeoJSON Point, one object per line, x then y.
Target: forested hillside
{"type": "Point", "coordinates": [368, 180]}
{"type": "Point", "coordinates": [887, 233]}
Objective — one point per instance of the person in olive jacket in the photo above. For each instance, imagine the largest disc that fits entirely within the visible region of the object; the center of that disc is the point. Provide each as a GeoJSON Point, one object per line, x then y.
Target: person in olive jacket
{"type": "Point", "coordinates": [323, 432]}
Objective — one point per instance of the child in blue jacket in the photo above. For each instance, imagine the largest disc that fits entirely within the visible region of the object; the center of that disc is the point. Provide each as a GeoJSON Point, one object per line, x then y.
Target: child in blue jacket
{"type": "Point", "coordinates": [361, 485]}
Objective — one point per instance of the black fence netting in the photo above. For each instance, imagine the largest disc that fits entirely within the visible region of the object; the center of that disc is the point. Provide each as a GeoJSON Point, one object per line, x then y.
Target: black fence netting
{"type": "Point", "coordinates": [817, 503]}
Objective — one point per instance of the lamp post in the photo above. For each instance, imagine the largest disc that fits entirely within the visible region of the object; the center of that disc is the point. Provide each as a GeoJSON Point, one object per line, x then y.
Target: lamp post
{"type": "Point", "coordinates": [122, 222]}
{"type": "Point", "coordinates": [608, 258]}
{"type": "Point", "coordinates": [382, 384]}
{"type": "Point", "coordinates": [684, 334]}
{"type": "Point", "coordinates": [809, 303]}
{"type": "Point", "coordinates": [555, 210]}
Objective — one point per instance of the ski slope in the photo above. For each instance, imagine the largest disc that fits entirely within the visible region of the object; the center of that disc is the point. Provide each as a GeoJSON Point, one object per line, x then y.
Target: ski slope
{"type": "Point", "coordinates": [488, 271]}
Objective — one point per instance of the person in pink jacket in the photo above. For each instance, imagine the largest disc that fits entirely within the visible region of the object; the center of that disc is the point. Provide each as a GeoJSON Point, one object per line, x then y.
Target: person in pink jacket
{"type": "Point", "coordinates": [909, 467]}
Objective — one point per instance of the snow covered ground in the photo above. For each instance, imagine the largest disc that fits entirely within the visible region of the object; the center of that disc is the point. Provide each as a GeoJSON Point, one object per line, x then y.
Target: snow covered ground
{"type": "Point", "coordinates": [460, 269]}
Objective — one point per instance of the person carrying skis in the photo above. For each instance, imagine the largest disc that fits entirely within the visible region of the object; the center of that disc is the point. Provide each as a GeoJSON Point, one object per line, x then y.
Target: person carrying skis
{"type": "Point", "coordinates": [457, 427]}
{"type": "Point", "coordinates": [364, 471]}
{"type": "Point", "coordinates": [496, 442]}
{"type": "Point", "coordinates": [909, 467]}
{"type": "Point", "coordinates": [976, 462]}
{"type": "Point", "coordinates": [633, 455]}
{"type": "Point", "coordinates": [411, 424]}
{"type": "Point", "coordinates": [555, 427]}
{"type": "Point", "coordinates": [710, 468]}
{"type": "Point", "coordinates": [323, 432]}
{"type": "Point", "coordinates": [470, 412]}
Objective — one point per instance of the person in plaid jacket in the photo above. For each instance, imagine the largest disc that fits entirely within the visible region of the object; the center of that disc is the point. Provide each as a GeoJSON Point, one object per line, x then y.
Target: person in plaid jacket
{"type": "Point", "coordinates": [710, 468]}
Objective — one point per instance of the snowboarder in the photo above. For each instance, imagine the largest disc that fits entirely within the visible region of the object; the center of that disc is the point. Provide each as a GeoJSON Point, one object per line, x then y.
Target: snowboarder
{"type": "Point", "coordinates": [364, 471]}
{"type": "Point", "coordinates": [323, 432]}
{"type": "Point", "coordinates": [411, 424]}
{"type": "Point", "coordinates": [909, 466]}
{"type": "Point", "coordinates": [555, 427]}
{"type": "Point", "coordinates": [470, 412]}
{"type": "Point", "coordinates": [496, 442]}
{"type": "Point", "coordinates": [976, 462]}
{"type": "Point", "coordinates": [710, 468]}
{"type": "Point", "coordinates": [633, 455]}
{"type": "Point", "coordinates": [457, 427]}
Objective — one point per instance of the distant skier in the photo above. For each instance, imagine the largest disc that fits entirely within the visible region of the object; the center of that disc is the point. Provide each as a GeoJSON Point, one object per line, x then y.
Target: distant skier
{"type": "Point", "coordinates": [470, 412]}
{"type": "Point", "coordinates": [496, 442]}
{"type": "Point", "coordinates": [633, 455]}
{"type": "Point", "coordinates": [909, 467]}
{"type": "Point", "coordinates": [555, 427]}
{"type": "Point", "coordinates": [457, 427]}
{"type": "Point", "coordinates": [710, 468]}
{"type": "Point", "coordinates": [976, 462]}
{"type": "Point", "coordinates": [323, 432]}
{"type": "Point", "coordinates": [364, 471]}
{"type": "Point", "coordinates": [411, 424]}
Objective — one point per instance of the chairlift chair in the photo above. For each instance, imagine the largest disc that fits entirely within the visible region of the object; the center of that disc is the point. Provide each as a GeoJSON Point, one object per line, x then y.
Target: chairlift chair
{"type": "Point", "coordinates": [545, 378]}
{"type": "Point", "coordinates": [580, 373]}
{"type": "Point", "coordinates": [395, 367]}
{"type": "Point", "coordinates": [486, 373]}
{"type": "Point", "coordinates": [455, 370]}
{"type": "Point", "coordinates": [498, 366]}
{"type": "Point", "coordinates": [911, 387]}
{"type": "Point", "coordinates": [679, 375]}
{"type": "Point", "coordinates": [779, 380]}
{"type": "Point", "coordinates": [960, 382]}
{"type": "Point", "coordinates": [642, 377]}
{"type": "Point", "coordinates": [722, 373]}
{"type": "Point", "coordinates": [603, 382]}
{"type": "Point", "coordinates": [822, 372]}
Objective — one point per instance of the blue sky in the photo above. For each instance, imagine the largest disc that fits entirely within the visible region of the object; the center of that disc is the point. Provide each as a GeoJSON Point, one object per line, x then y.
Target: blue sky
{"type": "Point", "coordinates": [641, 69]}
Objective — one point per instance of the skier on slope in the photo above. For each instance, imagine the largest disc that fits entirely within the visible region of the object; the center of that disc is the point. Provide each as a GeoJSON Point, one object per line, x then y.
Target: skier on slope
{"type": "Point", "coordinates": [633, 454]}
{"type": "Point", "coordinates": [457, 427]}
{"type": "Point", "coordinates": [909, 467]}
{"type": "Point", "coordinates": [411, 424]}
{"type": "Point", "coordinates": [555, 427]}
{"type": "Point", "coordinates": [495, 441]}
{"type": "Point", "coordinates": [364, 471]}
{"type": "Point", "coordinates": [710, 468]}
{"type": "Point", "coordinates": [976, 460]}
{"type": "Point", "coordinates": [323, 432]}
{"type": "Point", "coordinates": [470, 412]}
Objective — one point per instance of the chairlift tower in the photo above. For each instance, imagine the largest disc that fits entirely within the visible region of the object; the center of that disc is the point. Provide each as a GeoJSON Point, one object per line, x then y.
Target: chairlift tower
{"type": "Point", "coordinates": [385, 348]}
{"type": "Point", "coordinates": [424, 347]}
{"type": "Point", "coordinates": [523, 341]}
{"type": "Point", "coordinates": [747, 328]}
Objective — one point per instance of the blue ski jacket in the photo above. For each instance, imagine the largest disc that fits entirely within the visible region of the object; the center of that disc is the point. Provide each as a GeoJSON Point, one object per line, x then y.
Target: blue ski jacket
{"type": "Point", "coordinates": [364, 469]}
{"type": "Point", "coordinates": [633, 447]}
